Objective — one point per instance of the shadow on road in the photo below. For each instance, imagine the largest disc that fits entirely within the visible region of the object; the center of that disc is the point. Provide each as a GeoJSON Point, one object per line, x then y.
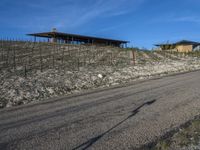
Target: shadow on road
{"type": "Point", "coordinates": [92, 141]}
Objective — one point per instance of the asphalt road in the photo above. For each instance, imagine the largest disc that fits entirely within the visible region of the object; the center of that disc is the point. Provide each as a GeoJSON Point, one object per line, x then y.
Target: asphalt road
{"type": "Point", "coordinates": [116, 118]}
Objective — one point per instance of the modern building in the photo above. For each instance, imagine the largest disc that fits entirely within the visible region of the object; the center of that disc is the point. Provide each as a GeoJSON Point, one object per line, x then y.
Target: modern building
{"type": "Point", "coordinates": [67, 38]}
{"type": "Point", "coordinates": [181, 46]}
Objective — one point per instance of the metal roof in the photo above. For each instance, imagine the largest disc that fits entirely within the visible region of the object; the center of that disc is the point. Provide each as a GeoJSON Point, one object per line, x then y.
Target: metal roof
{"type": "Point", "coordinates": [75, 36]}
{"type": "Point", "coordinates": [182, 42]}
{"type": "Point", "coordinates": [185, 42]}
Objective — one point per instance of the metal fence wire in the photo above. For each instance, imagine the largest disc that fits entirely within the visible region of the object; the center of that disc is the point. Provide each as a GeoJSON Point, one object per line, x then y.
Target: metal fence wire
{"type": "Point", "coordinates": [27, 56]}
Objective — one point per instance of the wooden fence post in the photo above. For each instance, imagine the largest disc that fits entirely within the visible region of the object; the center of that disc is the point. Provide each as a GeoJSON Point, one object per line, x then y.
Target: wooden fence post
{"type": "Point", "coordinates": [14, 59]}
{"type": "Point", "coordinates": [41, 61]}
{"type": "Point", "coordinates": [133, 57]}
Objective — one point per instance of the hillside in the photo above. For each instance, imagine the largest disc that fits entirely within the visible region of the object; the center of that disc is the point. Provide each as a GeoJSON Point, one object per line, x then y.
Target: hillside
{"type": "Point", "coordinates": [33, 72]}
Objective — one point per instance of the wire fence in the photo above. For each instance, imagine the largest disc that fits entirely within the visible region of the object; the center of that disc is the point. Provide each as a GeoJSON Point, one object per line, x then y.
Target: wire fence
{"type": "Point", "coordinates": [28, 56]}
{"type": "Point", "coordinates": [152, 57]}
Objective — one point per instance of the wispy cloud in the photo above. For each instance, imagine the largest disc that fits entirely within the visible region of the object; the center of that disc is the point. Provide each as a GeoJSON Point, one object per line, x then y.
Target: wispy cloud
{"type": "Point", "coordinates": [193, 19]}
{"type": "Point", "coordinates": [111, 28]}
{"type": "Point", "coordinates": [98, 9]}
{"type": "Point", "coordinates": [69, 14]}
{"type": "Point", "coordinates": [181, 18]}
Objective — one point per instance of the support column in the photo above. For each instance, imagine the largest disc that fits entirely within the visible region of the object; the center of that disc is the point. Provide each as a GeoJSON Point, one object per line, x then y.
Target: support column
{"type": "Point", "coordinates": [72, 42]}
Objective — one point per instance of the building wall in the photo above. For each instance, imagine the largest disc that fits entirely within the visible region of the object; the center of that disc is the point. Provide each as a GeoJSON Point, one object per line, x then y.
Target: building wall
{"type": "Point", "coordinates": [184, 48]}
{"type": "Point", "coordinates": [167, 47]}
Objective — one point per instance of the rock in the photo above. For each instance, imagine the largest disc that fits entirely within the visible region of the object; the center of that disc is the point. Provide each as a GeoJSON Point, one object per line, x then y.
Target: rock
{"type": "Point", "coordinates": [16, 89]}
{"type": "Point", "coordinates": [100, 76]}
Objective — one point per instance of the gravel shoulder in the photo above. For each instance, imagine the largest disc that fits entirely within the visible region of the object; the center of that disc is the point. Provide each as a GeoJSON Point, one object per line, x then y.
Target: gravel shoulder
{"type": "Point", "coordinates": [186, 137]}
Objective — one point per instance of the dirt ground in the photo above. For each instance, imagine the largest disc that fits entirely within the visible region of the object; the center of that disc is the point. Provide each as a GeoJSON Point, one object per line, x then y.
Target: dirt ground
{"type": "Point", "coordinates": [16, 89]}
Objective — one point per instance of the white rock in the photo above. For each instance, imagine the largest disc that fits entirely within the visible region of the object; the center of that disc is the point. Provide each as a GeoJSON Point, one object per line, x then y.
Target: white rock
{"type": "Point", "coordinates": [100, 76]}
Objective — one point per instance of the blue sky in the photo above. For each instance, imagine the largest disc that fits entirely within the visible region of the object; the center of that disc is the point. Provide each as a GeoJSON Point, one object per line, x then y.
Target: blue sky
{"type": "Point", "coordinates": [143, 22]}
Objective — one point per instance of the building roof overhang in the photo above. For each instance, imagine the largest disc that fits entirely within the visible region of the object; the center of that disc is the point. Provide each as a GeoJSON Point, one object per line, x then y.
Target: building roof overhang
{"type": "Point", "coordinates": [75, 36]}
{"type": "Point", "coordinates": [183, 42]}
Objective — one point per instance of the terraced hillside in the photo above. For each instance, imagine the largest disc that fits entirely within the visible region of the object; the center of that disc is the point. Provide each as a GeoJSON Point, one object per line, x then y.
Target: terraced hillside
{"type": "Point", "coordinates": [32, 72]}
{"type": "Point", "coordinates": [19, 55]}
{"type": "Point", "coordinates": [145, 57]}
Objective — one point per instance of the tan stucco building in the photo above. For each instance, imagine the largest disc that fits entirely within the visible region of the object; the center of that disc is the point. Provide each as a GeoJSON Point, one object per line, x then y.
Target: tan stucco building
{"type": "Point", "coordinates": [181, 46]}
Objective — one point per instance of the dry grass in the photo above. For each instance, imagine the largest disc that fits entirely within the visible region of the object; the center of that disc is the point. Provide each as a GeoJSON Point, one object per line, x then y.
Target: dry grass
{"type": "Point", "coordinates": [185, 137]}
